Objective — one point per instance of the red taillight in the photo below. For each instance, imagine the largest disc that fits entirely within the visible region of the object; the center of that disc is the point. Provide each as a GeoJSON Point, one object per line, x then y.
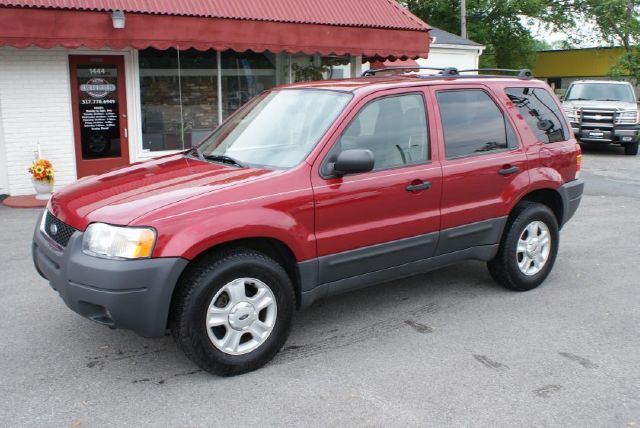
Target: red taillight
{"type": "Point", "coordinates": [578, 160]}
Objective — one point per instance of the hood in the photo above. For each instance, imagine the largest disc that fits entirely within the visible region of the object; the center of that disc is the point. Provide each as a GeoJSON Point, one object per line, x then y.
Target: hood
{"type": "Point", "coordinates": [606, 105]}
{"type": "Point", "coordinates": [122, 195]}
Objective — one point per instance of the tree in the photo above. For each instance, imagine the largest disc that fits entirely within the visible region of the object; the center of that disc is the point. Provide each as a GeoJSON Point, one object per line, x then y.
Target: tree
{"type": "Point", "coordinates": [500, 25]}
{"type": "Point", "coordinates": [616, 22]}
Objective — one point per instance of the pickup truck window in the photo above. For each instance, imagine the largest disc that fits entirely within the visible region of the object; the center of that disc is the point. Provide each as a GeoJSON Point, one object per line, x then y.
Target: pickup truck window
{"type": "Point", "coordinates": [394, 128]}
{"type": "Point", "coordinates": [473, 124]}
{"type": "Point", "coordinates": [541, 112]}
{"type": "Point", "coordinates": [276, 130]}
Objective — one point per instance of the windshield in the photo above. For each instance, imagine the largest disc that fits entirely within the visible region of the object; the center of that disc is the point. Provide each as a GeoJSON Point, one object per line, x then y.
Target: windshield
{"type": "Point", "coordinates": [601, 92]}
{"type": "Point", "coordinates": [276, 130]}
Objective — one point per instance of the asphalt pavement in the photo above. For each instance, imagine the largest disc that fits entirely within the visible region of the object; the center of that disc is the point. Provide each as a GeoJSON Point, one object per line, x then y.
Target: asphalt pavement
{"type": "Point", "coordinates": [448, 348]}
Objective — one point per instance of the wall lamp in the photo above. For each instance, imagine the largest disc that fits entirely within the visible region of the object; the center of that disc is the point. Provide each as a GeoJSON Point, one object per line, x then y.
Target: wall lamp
{"type": "Point", "coordinates": [117, 17]}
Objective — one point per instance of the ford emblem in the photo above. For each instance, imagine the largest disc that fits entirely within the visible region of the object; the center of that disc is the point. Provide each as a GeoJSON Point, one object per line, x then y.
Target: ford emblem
{"type": "Point", "coordinates": [53, 229]}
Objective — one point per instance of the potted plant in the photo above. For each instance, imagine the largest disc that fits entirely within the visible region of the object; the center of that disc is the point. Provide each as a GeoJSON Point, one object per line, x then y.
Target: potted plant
{"type": "Point", "coordinates": [42, 174]}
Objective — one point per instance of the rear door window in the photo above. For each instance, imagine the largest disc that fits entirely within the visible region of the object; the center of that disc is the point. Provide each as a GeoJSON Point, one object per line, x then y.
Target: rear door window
{"type": "Point", "coordinates": [541, 112]}
{"type": "Point", "coordinates": [473, 124]}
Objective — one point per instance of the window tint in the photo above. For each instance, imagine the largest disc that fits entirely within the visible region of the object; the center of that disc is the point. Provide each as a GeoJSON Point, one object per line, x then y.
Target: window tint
{"type": "Point", "coordinates": [394, 128]}
{"type": "Point", "coordinates": [472, 124]}
{"type": "Point", "coordinates": [541, 113]}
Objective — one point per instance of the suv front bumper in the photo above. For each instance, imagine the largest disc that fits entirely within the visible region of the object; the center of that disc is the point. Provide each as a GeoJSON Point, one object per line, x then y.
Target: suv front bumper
{"type": "Point", "coordinates": [129, 294]}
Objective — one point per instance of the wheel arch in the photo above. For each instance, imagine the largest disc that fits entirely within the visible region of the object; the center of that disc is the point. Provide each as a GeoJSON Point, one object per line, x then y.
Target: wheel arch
{"type": "Point", "coordinates": [549, 197]}
{"type": "Point", "coordinates": [269, 246]}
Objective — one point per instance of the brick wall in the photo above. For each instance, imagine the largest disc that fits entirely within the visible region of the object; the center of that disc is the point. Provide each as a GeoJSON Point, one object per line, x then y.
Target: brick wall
{"type": "Point", "coordinates": [35, 106]}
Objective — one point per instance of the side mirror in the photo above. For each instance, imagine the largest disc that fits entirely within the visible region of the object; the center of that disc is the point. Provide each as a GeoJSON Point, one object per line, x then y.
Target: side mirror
{"type": "Point", "coordinates": [352, 162]}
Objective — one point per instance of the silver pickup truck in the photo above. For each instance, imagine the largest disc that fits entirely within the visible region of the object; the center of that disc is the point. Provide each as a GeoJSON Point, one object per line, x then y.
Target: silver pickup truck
{"type": "Point", "coordinates": [604, 111]}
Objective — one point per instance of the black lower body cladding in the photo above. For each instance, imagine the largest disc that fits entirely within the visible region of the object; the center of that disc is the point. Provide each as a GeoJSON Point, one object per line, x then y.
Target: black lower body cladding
{"type": "Point", "coordinates": [571, 195]}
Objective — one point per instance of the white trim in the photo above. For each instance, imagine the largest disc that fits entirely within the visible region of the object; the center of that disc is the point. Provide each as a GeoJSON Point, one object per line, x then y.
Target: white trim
{"type": "Point", "coordinates": [4, 159]}
{"type": "Point", "coordinates": [135, 114]}
{"type": "Point", "coordinates": [219, 84]}
{"type": "Point", "coordinates": [460, 47]}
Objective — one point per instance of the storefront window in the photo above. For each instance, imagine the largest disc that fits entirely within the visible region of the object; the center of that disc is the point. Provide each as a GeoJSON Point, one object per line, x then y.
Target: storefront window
{"type": "Point", "coordinates": [336, 66]}
{"type": "Point", "coordinates": [245, 75]}
{"type": "Point", "coordinates": [179, 97]}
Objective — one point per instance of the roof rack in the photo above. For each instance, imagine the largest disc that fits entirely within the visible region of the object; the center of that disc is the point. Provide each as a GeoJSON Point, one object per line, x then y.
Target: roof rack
{"type": "Point", "coordinates": [454, 72]}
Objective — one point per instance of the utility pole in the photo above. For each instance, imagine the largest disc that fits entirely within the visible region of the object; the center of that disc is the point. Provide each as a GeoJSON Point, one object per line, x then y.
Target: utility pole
{"type": "Point", "coordinates": [463, 18]}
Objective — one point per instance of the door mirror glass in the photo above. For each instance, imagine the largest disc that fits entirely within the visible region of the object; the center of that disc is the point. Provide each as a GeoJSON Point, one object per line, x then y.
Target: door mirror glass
{"type": "Point", "coordinates": [352, 162]}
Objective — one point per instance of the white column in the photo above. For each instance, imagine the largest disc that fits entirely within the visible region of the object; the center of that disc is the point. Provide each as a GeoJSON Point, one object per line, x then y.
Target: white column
{"type": "Point", "coordinates": [4, 180]}
{"type": "Point", "coordinates": [219, 61]}
{"type": "Point", "coordinates": [356, 66]}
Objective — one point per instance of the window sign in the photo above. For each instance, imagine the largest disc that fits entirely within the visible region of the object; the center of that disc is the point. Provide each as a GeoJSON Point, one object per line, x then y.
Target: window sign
{"type": "Point", "coordinates": [98, 108]}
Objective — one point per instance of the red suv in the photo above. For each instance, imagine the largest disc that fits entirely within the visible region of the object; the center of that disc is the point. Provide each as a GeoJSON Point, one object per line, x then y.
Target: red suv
{"type": "Point", "coordinates": [311, 190]}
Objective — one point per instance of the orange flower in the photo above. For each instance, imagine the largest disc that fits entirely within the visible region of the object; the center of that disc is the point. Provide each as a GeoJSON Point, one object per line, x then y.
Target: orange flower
{"type": "Point", "coordinates": [42, 170]}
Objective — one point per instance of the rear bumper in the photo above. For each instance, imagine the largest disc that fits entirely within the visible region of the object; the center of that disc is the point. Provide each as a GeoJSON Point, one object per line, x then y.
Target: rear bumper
{"type": "Point", "coordinates": [129, 294]}
{"type": "Point", "coordinates": [571, 194]}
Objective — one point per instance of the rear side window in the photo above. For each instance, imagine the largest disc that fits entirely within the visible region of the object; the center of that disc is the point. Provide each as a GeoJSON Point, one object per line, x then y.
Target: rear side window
{"type": "Point", "coordinates": [394, 128]}
{"type": "Point", "coordinates": [541, 112]}
{"type": "Point", "coordinates": [473, 124]}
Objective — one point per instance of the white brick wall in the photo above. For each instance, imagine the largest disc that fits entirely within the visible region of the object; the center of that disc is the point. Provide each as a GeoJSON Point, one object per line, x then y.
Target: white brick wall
{"type": "Point", "coordinates": [35, 106]}
{"type": "Point", "coordinates": [4, 185]}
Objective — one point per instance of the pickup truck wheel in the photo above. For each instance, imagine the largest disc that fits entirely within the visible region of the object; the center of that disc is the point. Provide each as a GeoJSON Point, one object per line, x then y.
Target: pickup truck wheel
{"type": "Point", "coordinates": [528, 248]}
{"type": "Point", "coordinates": [631, 149]}
{"type": "Point", "coordinates": [232, 312]}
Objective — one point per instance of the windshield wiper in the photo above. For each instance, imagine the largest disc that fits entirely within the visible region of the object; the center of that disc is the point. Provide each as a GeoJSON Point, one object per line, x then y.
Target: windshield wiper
{"type": "Point", "coordinates": [197, 152]}
{"type": "Point", "coordinates": [224, 159]}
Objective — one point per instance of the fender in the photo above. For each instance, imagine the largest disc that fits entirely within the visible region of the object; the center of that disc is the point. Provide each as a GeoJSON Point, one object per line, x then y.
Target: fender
{"type": "Point", "coordinates": [541, 178]}
{"type": "Point", "coordinates": [189, 236]}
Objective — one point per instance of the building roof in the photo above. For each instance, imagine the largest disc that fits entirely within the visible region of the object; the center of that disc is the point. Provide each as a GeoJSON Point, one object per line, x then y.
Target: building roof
{"type": "Point", "coordinates": [441, 37]}
{"type": "Point", "coordinates": [354, 13]}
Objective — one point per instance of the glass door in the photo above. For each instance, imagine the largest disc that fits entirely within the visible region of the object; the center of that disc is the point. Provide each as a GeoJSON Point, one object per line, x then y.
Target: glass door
{"type": "Point", "coordinates": [99, 112]}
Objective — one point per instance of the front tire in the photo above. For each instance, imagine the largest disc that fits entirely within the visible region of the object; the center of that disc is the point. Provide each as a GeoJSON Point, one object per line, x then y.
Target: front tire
{"type": "Point", "coordinates": [232, 311]}
{"type": "Point", "coordinates": [631, 149]}
{"type": "Point", "coordinates": [528, 248]}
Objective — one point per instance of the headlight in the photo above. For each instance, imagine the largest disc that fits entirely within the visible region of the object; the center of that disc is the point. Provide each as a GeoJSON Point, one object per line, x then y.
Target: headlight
{"type": "Point", "coordinates": [572, 113]}
{"type": "Point", "coordinates": [115, 242]}
{"type": "Point", "coordinates": [627, 117]}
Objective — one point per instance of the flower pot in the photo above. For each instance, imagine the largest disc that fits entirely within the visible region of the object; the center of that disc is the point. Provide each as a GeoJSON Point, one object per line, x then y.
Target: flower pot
{"type": "Point", "coordinates": [43, 189]}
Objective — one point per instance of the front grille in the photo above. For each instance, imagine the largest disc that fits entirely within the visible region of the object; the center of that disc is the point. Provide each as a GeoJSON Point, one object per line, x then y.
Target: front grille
{"type": "Point", "coordinates": [62, 230]}
{"type": "Point", "coordinates": [597, 119]}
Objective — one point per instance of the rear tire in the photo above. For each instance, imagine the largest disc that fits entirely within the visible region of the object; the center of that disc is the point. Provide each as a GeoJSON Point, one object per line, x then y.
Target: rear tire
{"type": "Point", "coordinates": [232, 311]}
{"type": "Point", "coordinates": [631, 149]}
{"type": "Point", "coordinates": [528, 247]}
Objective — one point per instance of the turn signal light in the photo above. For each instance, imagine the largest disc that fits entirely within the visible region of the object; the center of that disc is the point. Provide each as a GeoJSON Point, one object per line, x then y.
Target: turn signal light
{"type": "Point", "coordinates": [578, 160]}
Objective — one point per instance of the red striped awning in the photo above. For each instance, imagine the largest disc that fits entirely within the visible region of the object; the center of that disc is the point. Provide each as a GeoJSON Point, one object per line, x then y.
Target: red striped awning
{"type": "Point", "coordinates": [372, 28]}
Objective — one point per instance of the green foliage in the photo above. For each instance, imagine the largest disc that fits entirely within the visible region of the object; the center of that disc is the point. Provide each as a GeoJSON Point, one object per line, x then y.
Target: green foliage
{"type": "Point", "coordinates": [628, 65]}
{"type": "Point", "coordinates": [307, 73]}
{"type": "Point", "coordinates": [616, 21]}
{"type": "Point", "coordinates": [500, 25]}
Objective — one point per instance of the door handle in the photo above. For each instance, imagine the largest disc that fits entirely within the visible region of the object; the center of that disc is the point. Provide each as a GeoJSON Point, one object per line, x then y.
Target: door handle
{"type": "Point", "coordinates": [508, 170]}
{"type": "Point", "coordinates": [419, 186]}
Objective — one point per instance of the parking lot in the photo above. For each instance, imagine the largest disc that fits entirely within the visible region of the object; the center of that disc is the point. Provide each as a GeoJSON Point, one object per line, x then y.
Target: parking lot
{"type": "Point", "coordinates": [445, 348]}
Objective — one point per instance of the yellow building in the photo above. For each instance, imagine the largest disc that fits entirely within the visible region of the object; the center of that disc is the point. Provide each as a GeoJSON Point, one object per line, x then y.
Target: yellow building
{"type": "Point", "coordinates": [561, 67]}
